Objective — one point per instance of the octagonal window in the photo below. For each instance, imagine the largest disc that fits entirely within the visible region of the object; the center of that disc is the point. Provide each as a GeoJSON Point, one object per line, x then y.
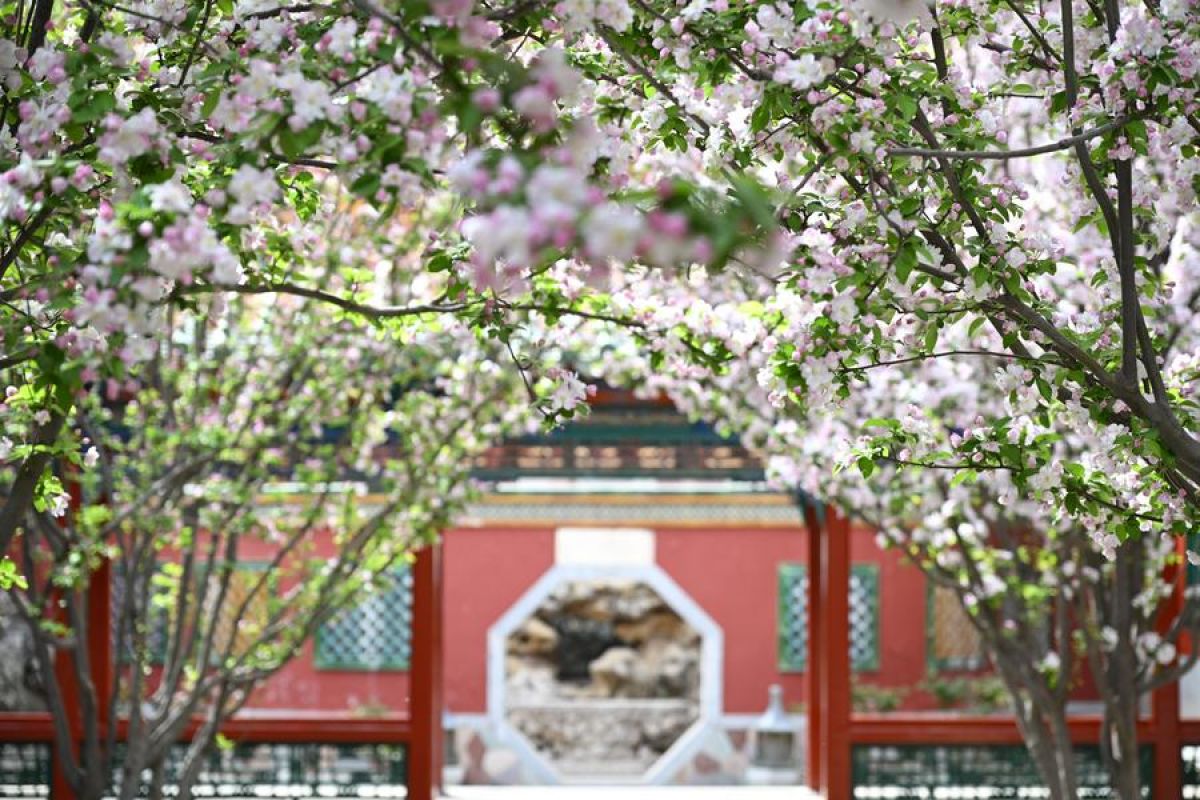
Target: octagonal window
{"type": "Point", "coordinates": [602, 678]}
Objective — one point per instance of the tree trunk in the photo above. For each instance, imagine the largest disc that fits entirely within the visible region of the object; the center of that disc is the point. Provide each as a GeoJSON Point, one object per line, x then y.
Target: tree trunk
{"type": "Point", "coordinates": [158, 777]}
{"type": "Point", "coordinates": [1064, 751]}
{"type": "Point", "coordinates": [1119, 733]}
{"type": "Point", "coordinates": [1055, 758]}
{"type": "Point", "coordinates": [1043, 726]}
{"type": "Point", "coordinates": [132, 769]}
{"type": "Point", "coordinates": [193, 762]}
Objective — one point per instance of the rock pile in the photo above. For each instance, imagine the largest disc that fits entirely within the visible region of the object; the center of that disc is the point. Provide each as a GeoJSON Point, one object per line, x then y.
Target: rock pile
{"type": "Point", "coordinates": [603, 677]}
{"type": "Point", "coordinates": [20, 681]}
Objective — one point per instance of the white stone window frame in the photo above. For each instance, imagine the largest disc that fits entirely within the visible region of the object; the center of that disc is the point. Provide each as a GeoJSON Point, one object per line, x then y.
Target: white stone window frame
{"type": "Point", "coordinates": [711, 663]}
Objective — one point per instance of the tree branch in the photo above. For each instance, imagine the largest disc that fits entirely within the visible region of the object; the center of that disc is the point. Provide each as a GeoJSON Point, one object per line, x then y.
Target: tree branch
{"type": "Point", "coordinates": [942, 354]}
{"type": "Point", "coordinates": [1004, 155]}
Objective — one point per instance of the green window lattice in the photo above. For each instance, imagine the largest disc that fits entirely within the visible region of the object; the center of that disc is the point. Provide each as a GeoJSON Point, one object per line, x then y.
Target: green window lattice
{"type": "Point", "coordinates": [375, 634]}
{"type": "Point", "coordinates": [951, 641]}
{"type": "Point", "coordinates": [793, 617]}
{"type": "Point", "coordinates": [1193, 570]}
{"type": "Point", "coordinates": [159, 619]}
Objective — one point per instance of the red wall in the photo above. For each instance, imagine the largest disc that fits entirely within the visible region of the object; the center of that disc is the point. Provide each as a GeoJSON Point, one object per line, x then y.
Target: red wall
{"type": "Point", "coordinates": [730, 573]}
{"type": "Point", "coordinates": [902, 619]}
{"type": "Point", "coordinates": [487, 570]}
{"type": "Point", "coordinates": [299, 685]}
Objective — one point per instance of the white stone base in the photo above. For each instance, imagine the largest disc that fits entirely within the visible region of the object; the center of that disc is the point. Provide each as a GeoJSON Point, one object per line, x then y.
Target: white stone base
{"type": "Point", "coordinates": [760, 776]}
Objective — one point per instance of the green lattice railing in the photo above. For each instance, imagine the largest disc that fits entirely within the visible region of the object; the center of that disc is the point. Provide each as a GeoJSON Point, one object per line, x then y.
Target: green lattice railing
{"type": "Point", "coordinates": [25, 769]}
{"type": "Point", "coordinates": [309, 769]}
{"type": "Point", "coordinates": [900, 772]}
{"type": "Point", "coordinates": [950, 772]}
{"type": "Point", "coordinates": [1190, 756]}
{"type": "Point", "coordinates": [793, 617]}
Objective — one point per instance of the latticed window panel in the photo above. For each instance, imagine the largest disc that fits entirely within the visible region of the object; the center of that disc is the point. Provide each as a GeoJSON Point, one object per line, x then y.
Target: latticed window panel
{"type": "Point", "coordinates": [953, 644]}
{"type": "Point", "coordinates": [376, 634]}
{"type": "Point", "coordinates": [864, 616]}
{"type": "Point", "coordinates": [244, 612]}
{"type": "Point", "coordinates": [25, 769]}
{"type": "Point", "coordinates": [998, 772]}
{"type": "Point", "coordinates": [245, 609]}
{"type": "Point", "coordinates": [793, 617]}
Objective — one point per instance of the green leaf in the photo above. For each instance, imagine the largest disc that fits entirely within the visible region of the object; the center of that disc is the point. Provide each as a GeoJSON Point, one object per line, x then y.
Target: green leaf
{"type": "Point", "coordinates": [931, 337]}
{"type": "Point", "coordinates": [366, 185]}
{"type": "Point", "coordinates": [9, 576]}
{"type": "Point", "coordinates": [88, 105]}
{"type": "Point", "coordinates": [963, 477]}
{"type": "Point", "coordinates": [906, 260]}
{"type": "Point", "coordinates": [754, 200]}
{"type": "Point", "coordinates": [210, 103]}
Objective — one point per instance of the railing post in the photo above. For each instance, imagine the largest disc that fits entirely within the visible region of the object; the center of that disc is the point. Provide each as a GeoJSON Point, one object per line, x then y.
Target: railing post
{"type": "Point", "coordinates": [425, 677]}
{"type": "Point", "coordinates": [835, 653]}
{"type": "Point", "coordinates": [1168, 764]}
{"type": "Point", "coordinates": [814, 661]}
{"type": "Point", "coordinates": [64, 674]}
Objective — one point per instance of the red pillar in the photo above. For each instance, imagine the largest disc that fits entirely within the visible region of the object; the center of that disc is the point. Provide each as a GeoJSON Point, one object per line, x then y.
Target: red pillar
{"type": "Point", "coordinates": [100, 663]}
{"type": "Point", "coordinates": [100, 637]}
{"type": "Point", "coordinates": [816, 625]}
{"type": "Point", "coordinates": [64, 674]}
{"type": "Point", "coordinates": [1168, 767]}
{"type": "Point", "coordinates": [425, 677]}
{"type": "Point", "coordinates": [835, 654]}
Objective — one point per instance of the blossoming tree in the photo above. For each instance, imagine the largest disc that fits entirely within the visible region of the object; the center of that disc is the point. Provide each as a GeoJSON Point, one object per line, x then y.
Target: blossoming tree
{"type": "Point", "coordinates": [159, 152]}
{"type": "Point", "coordinates": [903, 183]}
{"type": "Point", "coordinates": [958, 186]}
{"type": "Point", "coordinates": [959, 183]}
{"type": "Point", "coordinates": [241, 404]}
{"type": "Point", "coordinates": [1047, 603]}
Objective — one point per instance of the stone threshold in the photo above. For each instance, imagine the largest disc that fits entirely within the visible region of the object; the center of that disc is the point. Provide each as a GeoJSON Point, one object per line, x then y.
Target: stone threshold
{"type": "Point", "coordinates": [629, 793]}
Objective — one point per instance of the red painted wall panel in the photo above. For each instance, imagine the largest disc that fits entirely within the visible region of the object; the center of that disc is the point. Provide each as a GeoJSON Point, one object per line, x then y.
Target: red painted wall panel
{"type": "Point", "coordinates": [902, 631]}
{"type": "Point", "coordinates": [730, 572]}
{"type": "Point", "coordinates": [732, 575]}
{"type": "Point", "coordinates": [300, 685]}
{"type": "Point", "coordinates": [487, 570]}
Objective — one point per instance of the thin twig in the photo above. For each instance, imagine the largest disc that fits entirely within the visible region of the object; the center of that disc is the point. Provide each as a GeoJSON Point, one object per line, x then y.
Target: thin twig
{"type": "Point", "coordinates": [1003, 155]}
{"type": "Point", "coordinates": [942, 354]}
{"type": "Point", "coordinates": [366, 309]}
{"type": "Point", "coordinates": [196, 40]}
